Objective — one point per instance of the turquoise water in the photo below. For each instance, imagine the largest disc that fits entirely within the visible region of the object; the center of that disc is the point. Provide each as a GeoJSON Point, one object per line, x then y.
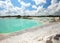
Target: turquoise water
{"type": "Point", "coordinates": [13, 25]}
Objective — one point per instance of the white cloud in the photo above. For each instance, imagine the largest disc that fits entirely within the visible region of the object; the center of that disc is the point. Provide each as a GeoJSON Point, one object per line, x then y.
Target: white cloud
{"type": "Point", "coordinates": [39, 1]}
{"type": "Point", "coordinates": [40, 8]}
{"type": "Point", "coordinates": [2, 4]}
{"type": "Point", "coordinates": [23, 3]}
{"type": "Point", "coordinates": [19, 0]}
{"type": "Point", "coordinates": [54, 8]}
{"type": "Point", "coordinates": [34, 6]}
{"type": "Point", "coordinates": [53, 1]}
{"type": "Point", "coordinates": [9, 9]}
{"type": "Point", "coordinates": [31, 13]}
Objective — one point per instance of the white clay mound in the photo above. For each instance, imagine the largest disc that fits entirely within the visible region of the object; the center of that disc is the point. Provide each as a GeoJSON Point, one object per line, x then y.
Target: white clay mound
{"type": "Point", "coordinates": [42, 35]}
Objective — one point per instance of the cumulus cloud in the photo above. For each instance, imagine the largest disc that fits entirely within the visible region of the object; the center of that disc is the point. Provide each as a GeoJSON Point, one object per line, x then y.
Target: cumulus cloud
{"type": "Point", "coordinates": [24, 4]}
{"type": "Point", "coordinates": [9, 9]}
{"type": "Point", "coordinates": [39, 1]}
{"type": "Point", "coordinates": [34, 6]}
{"type": "Point", "coordinates": [54, 8]}
{"type": "Point", "coordinates": [53, 1]}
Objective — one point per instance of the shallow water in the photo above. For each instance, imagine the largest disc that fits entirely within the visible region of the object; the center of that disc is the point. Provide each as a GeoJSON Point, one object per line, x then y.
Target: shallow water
{"type": "Point", "coordinates": [13, 25]}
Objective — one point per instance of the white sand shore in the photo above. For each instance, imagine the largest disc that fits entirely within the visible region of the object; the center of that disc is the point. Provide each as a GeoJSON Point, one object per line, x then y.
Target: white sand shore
{"type": "Point", "coordinates": [40, 35]}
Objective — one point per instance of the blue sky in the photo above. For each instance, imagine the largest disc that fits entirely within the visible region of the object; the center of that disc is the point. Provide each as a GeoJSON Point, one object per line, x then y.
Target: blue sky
{"type": "Point", "coordinates": [27, 5]}
{"type": "Point", "coordinates": [45, 5]}
{"type": "Point", "coordinates": [15, 3]}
